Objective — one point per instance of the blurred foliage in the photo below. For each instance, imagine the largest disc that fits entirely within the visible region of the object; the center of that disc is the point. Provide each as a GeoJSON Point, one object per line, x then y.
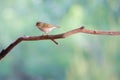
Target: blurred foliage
{"type": "Point", "coordinates": [79, 57]}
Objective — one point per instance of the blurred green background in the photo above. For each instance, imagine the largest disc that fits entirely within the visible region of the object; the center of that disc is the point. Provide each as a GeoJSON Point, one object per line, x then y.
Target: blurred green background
{"type": "Point", "coordinates": [78, 57]}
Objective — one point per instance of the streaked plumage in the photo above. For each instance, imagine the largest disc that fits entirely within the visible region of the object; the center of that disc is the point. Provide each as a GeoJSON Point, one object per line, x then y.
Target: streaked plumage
{"type": "Point", "coordinates": [45, 27]}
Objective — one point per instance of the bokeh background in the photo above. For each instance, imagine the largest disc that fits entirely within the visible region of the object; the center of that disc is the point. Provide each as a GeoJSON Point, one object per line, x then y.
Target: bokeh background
{"type": "Point", "coordinates": [78, 57]}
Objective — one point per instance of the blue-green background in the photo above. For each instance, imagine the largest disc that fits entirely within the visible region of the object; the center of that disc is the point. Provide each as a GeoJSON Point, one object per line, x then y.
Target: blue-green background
{"type": "Point", "coordinates": [78, 57]}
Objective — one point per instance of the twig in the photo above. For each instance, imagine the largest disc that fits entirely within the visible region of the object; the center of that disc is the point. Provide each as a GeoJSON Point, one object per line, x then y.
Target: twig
{"type": "Point", "coordinates": [4, 52]}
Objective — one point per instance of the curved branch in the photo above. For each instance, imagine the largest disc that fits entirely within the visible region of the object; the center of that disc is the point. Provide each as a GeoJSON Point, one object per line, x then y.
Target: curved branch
{"type": "Point", "coordinates": [4, 52]}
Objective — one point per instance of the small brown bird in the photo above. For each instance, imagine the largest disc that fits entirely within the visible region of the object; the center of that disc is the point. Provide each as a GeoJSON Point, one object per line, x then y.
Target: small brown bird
{"type": "Point", "coordinates": [45, 27]}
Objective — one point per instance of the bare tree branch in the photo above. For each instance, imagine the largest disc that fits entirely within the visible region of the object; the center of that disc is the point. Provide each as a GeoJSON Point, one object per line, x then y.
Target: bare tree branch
{"type": "Point", "coordinates": [4, 52]}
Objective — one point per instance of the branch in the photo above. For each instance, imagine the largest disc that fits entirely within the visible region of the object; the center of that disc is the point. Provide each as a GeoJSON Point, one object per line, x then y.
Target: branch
{"type": "Point", "coordinates": [4, 52]}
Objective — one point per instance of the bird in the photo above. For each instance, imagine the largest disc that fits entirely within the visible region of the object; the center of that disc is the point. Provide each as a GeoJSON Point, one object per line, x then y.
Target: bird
{"type": "Point", "coordinates": [45, 27]}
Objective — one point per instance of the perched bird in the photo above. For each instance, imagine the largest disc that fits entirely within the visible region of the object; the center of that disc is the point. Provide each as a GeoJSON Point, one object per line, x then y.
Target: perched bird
{"type": "Point", "coordinates": [45, 27]}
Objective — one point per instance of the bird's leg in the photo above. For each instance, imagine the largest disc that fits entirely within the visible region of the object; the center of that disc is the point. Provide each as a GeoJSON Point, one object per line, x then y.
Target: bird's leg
{"type": "Point", "coordinates": [45, 34]}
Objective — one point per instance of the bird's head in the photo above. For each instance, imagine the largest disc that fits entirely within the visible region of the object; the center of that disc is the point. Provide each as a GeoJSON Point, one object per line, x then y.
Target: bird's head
{"type": "Point", "coordinates": [38, 23]}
